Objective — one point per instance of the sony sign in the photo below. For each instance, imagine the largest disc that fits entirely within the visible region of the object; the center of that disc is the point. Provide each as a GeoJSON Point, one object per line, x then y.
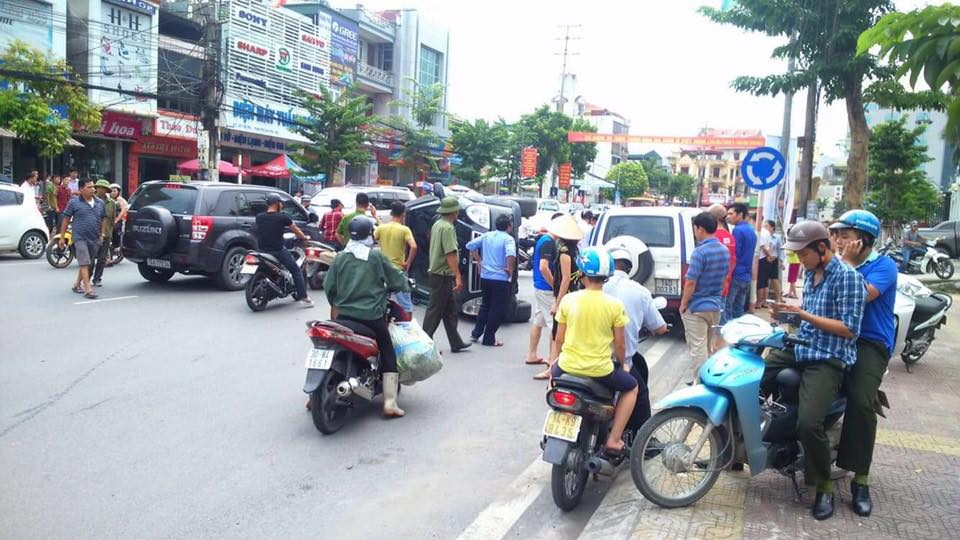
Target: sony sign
{"type": "Point", "coordinates": [252, 18]}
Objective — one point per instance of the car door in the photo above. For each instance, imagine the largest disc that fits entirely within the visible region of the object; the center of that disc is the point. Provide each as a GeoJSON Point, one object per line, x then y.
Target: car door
{"type": "Point", "coordinates": [11, 210]}
{"type": "Point", "coordinates": [664, 236]}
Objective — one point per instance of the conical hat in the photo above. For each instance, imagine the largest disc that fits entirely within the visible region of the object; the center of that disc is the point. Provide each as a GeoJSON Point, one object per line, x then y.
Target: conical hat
{"type": "Point", "coordinates": [565, 227]}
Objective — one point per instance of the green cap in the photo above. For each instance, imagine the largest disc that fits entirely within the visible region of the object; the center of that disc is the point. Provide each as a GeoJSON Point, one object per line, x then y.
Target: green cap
{"type": "Point", "coordinates": [103, 184]}
{"type": "Point", "coordinates": [449, 205]}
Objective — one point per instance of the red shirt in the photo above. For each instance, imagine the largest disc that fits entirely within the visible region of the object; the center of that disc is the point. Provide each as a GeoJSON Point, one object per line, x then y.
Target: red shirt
{"type": "Point", "coordinates": [63, 196]}
{"type": "Point", "coordinates": [329, 224]}
{"type": "Point", "coordinates": [724, 237]}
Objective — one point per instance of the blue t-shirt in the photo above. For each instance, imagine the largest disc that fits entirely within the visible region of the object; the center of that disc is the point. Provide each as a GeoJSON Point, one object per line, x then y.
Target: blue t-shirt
{"type": "Point", "coordinates": [85, 218]}
{"type": "Point", "coordinates": [708, 267]}
{"type": "Point", "coordinates": [495, 247]}
{"type": "Point", "coordinates": [878, 321]}
{"type": "Point", "coordinates": [745, 239]}
{"type": "Point", "coordinates": [545, 247]}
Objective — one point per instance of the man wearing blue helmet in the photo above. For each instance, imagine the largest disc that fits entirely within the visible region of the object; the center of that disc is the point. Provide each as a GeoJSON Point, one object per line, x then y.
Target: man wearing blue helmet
{"type": "Point", "coordinates": [855, 234]}
{"type": "Point", "coordinates": [588, 321]}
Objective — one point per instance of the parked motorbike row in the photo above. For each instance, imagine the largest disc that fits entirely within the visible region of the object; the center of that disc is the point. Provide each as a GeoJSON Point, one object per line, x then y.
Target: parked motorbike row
{"type": "Point", "coordinates": [678, 454]}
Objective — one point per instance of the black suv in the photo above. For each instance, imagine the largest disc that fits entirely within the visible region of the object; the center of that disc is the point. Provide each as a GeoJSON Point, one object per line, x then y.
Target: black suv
{"type": "Point", "coordinates": [198, 228]}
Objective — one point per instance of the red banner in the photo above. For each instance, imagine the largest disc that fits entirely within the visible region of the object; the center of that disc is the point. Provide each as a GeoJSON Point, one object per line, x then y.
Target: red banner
{"type": "Point", "coordinates": [528, 162]}
{"type": "Point", "coordinates": [181, 149]}
{"type": "Point", "coordinates": [565, 170]}
{"type": "Point", "coordinates": [719, 142]}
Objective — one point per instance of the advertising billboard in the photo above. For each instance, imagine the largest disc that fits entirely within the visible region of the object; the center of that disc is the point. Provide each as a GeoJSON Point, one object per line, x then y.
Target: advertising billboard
{"type": "Point", "coordinates": [125, 56]}
{"type": "Point", "coordinates": [344, 49]}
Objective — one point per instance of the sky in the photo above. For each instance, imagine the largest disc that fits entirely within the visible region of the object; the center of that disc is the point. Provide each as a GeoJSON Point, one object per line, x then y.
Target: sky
{"type": "Point", "coordinates": [660, 64]}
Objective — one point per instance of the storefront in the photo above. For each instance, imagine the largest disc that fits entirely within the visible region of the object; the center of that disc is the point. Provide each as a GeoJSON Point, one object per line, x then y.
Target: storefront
{"type": "Point", "coordinates": [171, 141]}
{"type": "Point", "coordinates": [105, 154]}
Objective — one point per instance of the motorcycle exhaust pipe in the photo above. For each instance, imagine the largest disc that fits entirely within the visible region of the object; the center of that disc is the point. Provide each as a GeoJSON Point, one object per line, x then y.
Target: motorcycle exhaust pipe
{"type": "Point", "coordinates": [343, 389]}
{"type": "Point", "coordinates": [273, 286]}
{"type": "Point", "coordinates": [600, 466]}
{"type": "Point", "coordinates": [359, 389]}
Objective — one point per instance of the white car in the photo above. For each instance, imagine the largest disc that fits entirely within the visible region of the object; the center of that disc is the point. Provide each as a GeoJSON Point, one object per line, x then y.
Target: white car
{"type": "Point", "coordinates": [381, 197]}
{"type": "Point", "coordinates": [22, 227]}
{"type": "Point", "coordinates": [661, 240]}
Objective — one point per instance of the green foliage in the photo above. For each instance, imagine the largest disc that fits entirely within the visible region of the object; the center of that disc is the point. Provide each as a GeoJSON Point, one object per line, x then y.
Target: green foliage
{"type": "Point", "coordinates": [899, 191]}
{"type": "Point", "coordinates": [479, 144]}
{"type": "Point", "coordinates": [681, 187]}
{"type": "Point", "coordinates": [631, 178]}
{"type": "Point", "coordinates": [337, 129]}
{"type": "Point", "coordinates": [421, 144]}
{"type": "Point", "coordinates": [45, 82]}
{"type": "Point", "coordinates": [839, 208]}
{"type": "Point", "coordinates": [923, 43]}
{"type": "Point", "coordinates": [658, 175]}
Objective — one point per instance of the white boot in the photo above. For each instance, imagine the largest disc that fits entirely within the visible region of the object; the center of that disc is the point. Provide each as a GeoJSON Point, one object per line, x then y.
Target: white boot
{"type": "Point", "coordinates": [391, 384]}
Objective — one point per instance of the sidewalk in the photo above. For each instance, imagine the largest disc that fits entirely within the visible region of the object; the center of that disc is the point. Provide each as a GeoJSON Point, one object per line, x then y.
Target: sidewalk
{"type": "Point", "coordinates": [915, 481]}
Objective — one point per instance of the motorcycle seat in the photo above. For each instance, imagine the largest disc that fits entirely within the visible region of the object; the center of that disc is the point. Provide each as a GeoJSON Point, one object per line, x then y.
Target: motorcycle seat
{"type": "Point", "coordinates": [789, 380]}
{"type": "Point", "coordinates": [584, 383]}
{"type": "Point", "coordinates": [926, 307]}
{"type": "Point", "coordinates": [360, 338]}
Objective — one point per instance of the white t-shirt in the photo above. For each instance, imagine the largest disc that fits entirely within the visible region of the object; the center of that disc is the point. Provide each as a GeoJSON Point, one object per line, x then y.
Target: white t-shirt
{"type": "Point", "coordinates": [30, 193]}
{"type": "Point", "coordinates": [763, 240]}
{"type": "Point", "coordinates": [640, 309]}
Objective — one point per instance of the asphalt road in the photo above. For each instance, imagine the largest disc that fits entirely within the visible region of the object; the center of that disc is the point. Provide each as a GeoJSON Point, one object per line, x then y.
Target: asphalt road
{"type": "Point", "coordinates": [173, 411]}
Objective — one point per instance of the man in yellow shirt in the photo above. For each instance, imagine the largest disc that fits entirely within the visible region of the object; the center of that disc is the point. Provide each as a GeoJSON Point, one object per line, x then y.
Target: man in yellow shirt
{"type": "Point", "coordinates": [397, 243]}
{"type": "Point", "coordinates": [587, 322]}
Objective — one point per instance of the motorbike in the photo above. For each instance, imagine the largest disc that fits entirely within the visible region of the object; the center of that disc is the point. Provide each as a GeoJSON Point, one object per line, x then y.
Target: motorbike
{"type": "Point", "coordinates": [575, 434]}
{"type": "Point", "coordinates": [62, 258]}
{"type": "Point", "coordinates": [703, 429]}
{"type": "Point", "coordinates": [342, 369]}
{"type": "Point", "coordinates": [317, 270]}
{"type": "Point", "coordinates": [927, 260]}
{"type": "Point", "coordinates": [525, 248]}
{"type": "Point", "coordinates": [925, 310]}
{"type": "Point", "coordinates": [270, 280]}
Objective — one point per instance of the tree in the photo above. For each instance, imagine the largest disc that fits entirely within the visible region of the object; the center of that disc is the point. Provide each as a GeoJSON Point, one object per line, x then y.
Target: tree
{"type": "Point", "coordinates": [546, 130]}
{"type": "Point", "coordinates": [37, 82]}
{"type": "Point", "coordinates": [658, 175]}
{"type": "Point", "coordinates": [479, 144]}
{"type": "Point", "coordinates": [420, 144]}
{"type": "Point", "coordinates": [838, 209]}
{"type": "Point", "coordinates": [923, 42]}
{"type": "Point", "coordinates": [899, 190]}
{"type": "Point", "coordinates": [631, 178]}
{"type": "Point", "coordinates": [337, 129]}
{"type": "Point", "coordinates": [681, 187]}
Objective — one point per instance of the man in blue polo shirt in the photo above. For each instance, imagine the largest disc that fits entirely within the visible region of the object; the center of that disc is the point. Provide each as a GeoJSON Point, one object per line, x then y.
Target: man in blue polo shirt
{"type": "Point", "coordinates": [497, 253]}
{"type": "Point", "coordinates": [745, 240]}
{"type": "Point", "coordinates": [702, 298]}
{"type": "Point", "coordinates": [856, 232]}
{"type": "Point", "coordinates": [86, 213]}
{"type": "Point", "coordinates": [830, 319]}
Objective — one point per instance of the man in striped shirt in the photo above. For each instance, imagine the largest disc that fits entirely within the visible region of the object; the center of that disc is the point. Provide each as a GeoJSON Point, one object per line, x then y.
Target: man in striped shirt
{"type": "Point", "coordinates": [702, 297]}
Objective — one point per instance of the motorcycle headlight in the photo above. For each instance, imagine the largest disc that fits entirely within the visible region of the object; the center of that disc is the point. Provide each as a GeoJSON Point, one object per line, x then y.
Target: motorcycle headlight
{"type": "Point", "coordinates": [479, 214]}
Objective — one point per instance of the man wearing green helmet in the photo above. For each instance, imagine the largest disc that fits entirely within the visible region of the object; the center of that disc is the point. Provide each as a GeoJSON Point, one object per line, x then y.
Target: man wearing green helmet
{"type": "Point", "coordinates": [855, 234]}
{"type": "Point", "coordinates": [107, 224]}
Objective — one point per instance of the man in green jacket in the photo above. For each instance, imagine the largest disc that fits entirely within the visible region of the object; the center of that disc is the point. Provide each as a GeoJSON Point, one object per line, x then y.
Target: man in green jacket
{"type": "Point", "coordinates": [106, 230]}
{"type": "Point", "coordinates": [358, 284]}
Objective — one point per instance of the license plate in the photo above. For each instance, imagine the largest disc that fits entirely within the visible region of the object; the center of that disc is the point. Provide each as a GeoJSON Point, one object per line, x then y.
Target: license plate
{"type": "Point", "coordinates": [562, 425]}
{"type": "Point", "coordinates": [666, 286]}
{"type": "Point", "coordinates": [248, 269]}
{"type": "Point", "coordinates": [319, 358]}
{"type": "Point", "coordinates": [159, 263]}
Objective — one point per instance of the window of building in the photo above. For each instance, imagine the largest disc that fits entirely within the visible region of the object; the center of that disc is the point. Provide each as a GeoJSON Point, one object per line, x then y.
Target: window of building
{"type": "Point", "coordinates": [430, 66]}
{"type": "Point", "coordinates": [716, 172]}
{"type": "Point", "coordinates": [736, 156]}
{"type": "Point", "coordinates": [684, 170]}
{"type": "Point", "coordinates": [178, 81]}
{"type": "Point", "coordinates": [385, 57]}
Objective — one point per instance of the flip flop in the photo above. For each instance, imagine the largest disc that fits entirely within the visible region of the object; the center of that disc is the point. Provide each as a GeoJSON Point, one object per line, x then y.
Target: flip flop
{"type": "Point", "coordinates": [78, 290]}
{"type": "Point", "coordinates": [495, 344]}
{"type": "Point", "coordinates": [543, 375]}
{"type": "Point", "coordinates": [91, 295]}
{"type": "Point", "coordinates": [536, 362]}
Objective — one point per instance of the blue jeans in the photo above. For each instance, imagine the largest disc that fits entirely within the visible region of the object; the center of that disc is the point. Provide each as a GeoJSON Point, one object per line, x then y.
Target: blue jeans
{"type": "Point", "coordinates": [288, 262]}
{"type": "Point", "coordinates": [736, 300]}
{"type": "Point", "coordinates": [907, 252]}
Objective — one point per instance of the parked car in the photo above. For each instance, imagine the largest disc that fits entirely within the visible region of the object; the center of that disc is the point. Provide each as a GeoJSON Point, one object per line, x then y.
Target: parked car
{"type": "Point", "coordinates": [661, 238]}
{"type": "Point", "coordinates": [381, 197]}
{"type": "Point", "coordinates": [198, 228]}
{"type": "Point", "coordinates": [22, 227]}
{"type": "Point", "coordinates": [947, 237]}
{"type": "Point", "coordinates": [476, 217]}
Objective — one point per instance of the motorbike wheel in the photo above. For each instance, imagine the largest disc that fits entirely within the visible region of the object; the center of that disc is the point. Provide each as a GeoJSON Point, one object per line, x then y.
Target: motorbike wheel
{"type": "Point", "coordinates": [59, 258]}
{"type": "Point", "coordinates": [911, 357]}
{"type": "Point", "coordinates": [328, 416]}
{"type": "Point", "coordinates": [943, 269]}
{"type": "Point", "coordinates": [567, 484]}
{"type": "Point", "coordinates": [315, 279]}
{"type": "Point", "coordinates": [667, 455]}
{"type": "Point", "coordinates": [257, 293]}
{"type": "Point", "coordinates": [116, 255]}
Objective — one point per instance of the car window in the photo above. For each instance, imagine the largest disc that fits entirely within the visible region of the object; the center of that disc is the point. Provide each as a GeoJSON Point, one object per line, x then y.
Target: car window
{"type": "Point", "coordinates": [655, 231]}
{"type": "Point", "coordinates": [549, 206]}
{"type": "Point", "coordinates": [946, 225]}
{"type": "Point", "coordinates": [177, 198]}
{"type": "Point", "coordinates": [10, 198]}
{"type": "Point", "coordinates": [384, 200]}
{"type": "Point", "coordinates": [255, 202]}
{"type": "Point", "coordinates": [294, 210]}
{"type": "Point", "coordinates": [229, 204]}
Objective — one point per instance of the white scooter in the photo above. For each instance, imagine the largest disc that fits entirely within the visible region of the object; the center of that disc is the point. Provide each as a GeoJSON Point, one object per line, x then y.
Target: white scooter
{"type": "Point", "coordinates": [919, 312]}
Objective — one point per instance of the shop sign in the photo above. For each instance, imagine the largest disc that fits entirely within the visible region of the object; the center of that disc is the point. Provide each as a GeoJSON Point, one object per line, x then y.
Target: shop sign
{"type": "Point", "coordinates": [249, 78]}
{"type": "Point", "coordinates": [163, 146]}
{"type": "Point", "coordinates": [125, 51]}
{"type": "Point", "coordinates": [344, 48]}
{"type": "Point", "coordinates": [119, 125]}
{"type": "Point", "coordinates": [313, 40]}
{"type": "Point", "coordinates": [28, 21]}
{"type": "Point", "coordinates": [284, 59]}
{"type": "Point", "coordinates": [253, 142]}
{"type": "Point", "coordinates": [137, 5]}
{"type": "Point", "coordinates": [251, 49]}
{"type": "Point", "coordinates": [176, 126]}
{"type": "Point", "coordinates": [254, 19]}
{"type": "Point", "coordinates": [311, 68]}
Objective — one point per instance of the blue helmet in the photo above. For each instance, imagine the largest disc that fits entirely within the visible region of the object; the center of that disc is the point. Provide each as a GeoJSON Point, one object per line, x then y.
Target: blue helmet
{"type": "Point", "coordinates": [860, 220]}
{"type": "Point", "coordinates": [595, 262]}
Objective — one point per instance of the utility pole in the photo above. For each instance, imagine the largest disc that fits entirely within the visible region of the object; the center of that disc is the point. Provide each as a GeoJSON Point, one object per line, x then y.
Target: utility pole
{"type": "Point", "coordinates": [561, 100]}
{"type": "Point", "coordinates": [211, 95]}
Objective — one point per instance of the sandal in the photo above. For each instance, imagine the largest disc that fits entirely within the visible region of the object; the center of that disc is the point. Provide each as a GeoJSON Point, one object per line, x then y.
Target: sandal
{"type": "Point", "coordinates": [78, 289]}
{"type": "Point", "coordinates": [91, 295]}
{"type": "Point", "coordinates": [543, 375]}
{"type": "Point", "coordinates": [536, 362]}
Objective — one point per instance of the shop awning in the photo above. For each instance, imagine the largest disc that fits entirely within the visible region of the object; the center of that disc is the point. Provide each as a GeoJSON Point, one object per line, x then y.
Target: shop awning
{"type": "Point", "coordinates": [280, 167]}
{"type": "Point", "coordinates": [4, 132]}
{"type": "Point", "coordinates": [11, 134]}
{"type": "Point", "coordinates": [193, 166]}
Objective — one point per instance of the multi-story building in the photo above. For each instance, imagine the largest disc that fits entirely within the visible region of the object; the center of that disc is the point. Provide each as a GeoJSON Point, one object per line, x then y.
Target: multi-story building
{"type": "Point", "coordinates": [941, 170]}
{"type": "Point", "coordinates": [608, 154]}
{"type": "Point", "coordinates": [716, 169]}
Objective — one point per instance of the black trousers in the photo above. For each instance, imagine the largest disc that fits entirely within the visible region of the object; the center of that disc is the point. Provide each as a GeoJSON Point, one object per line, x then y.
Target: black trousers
{"type": "Point", "coordinates": [641, 411]}
{"type": "Point", "coordinates": [103, 255]}
{"type": "Point", "coordinates": [443, 306]}
{"type": "Point", "coordinates": [495, 295]}
{"type": "Point", "coordinates": [388, 355]}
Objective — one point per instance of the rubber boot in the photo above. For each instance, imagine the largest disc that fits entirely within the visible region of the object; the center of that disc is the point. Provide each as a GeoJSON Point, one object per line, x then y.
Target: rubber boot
{"type": "Point", "coordinates": [391, 384]}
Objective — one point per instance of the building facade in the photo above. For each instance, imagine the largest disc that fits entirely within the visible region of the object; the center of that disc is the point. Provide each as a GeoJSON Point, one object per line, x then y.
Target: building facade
{"type": "Point", "coordinates": [941, 170]}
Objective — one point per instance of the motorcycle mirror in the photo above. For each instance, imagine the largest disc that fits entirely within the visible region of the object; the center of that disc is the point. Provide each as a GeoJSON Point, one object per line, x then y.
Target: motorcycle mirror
{"type": "Point", "coordinates": [660, 302]}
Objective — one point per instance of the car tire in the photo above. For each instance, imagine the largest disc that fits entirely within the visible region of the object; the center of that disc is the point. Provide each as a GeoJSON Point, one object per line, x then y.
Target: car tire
{"type": "Point", "coordinates": [229, 277]}
{"type": "Point", "coordinates": [32, 245]}
{"type": "Point", "coordinates": [154, 275]}
{"type": "Point", "coordinates": [522, 311]}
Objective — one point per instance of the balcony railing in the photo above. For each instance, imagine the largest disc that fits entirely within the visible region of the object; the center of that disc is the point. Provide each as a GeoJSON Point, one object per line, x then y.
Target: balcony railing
{"type": "Point", "coordinates": [376, 74]}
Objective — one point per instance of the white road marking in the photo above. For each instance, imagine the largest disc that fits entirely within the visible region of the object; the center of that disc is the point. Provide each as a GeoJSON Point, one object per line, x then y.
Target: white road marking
{"type": "Point", "coordinates": [104, 300]}
{"type": "Point", "coordinates": [5, 264]}
{"type": "Point", "coordinates": [497, 519]}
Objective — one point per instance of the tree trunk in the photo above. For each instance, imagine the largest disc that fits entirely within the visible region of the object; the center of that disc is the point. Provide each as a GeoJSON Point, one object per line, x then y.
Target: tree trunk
{"type": "Point", "coordinates": [856, 183]}
{"type": "Point", "coordinates": [809, 138]}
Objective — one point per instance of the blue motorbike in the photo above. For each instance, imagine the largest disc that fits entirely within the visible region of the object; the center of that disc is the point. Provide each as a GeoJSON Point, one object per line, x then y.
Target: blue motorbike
{"type": "Point", "coordinates": [701, 430]}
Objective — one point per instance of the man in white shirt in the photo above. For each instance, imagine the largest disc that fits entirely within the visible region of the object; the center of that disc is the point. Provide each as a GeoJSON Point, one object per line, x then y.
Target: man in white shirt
{"type": "Point", "coordinates": [642, 314]}
{"type": "Point", "coordinates": [31, 187]}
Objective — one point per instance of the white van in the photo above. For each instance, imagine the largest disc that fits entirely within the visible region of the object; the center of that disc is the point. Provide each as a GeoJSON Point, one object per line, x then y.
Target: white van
{"type": "Point", "coordinates": [667, 232]}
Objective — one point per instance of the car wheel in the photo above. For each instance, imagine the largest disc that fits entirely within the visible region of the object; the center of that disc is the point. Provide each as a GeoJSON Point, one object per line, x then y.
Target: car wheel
{"type": "Point", "coordinates": [32, 245]}
{"type": "Point", "coordinates": [154, 275]}
{"type": "Point", "coordinates": [229, 277]}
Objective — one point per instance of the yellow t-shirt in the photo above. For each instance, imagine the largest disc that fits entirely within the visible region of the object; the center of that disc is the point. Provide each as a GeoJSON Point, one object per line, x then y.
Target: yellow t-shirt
{"type": "Point", "coordinates": [393, 238]}
{"type": "Point", "coordinates": [590, 317]}
{"type": "Point", "coordinates": [792, 257]}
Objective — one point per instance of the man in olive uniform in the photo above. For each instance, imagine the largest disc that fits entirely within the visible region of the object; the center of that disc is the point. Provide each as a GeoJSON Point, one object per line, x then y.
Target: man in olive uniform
{"type": "Point", "coordinates": [445, 279]}
{"type": "Point", "coordinates": [106, 229]}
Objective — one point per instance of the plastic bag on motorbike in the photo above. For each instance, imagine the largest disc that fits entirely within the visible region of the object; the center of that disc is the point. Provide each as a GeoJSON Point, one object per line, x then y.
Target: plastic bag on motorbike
{"type": "Point", "coordinates": [418, 357]}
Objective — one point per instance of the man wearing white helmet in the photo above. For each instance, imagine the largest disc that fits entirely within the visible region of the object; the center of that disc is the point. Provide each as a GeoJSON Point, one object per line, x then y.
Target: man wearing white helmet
{"type": "Point", "coordinates": [643, 314]}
